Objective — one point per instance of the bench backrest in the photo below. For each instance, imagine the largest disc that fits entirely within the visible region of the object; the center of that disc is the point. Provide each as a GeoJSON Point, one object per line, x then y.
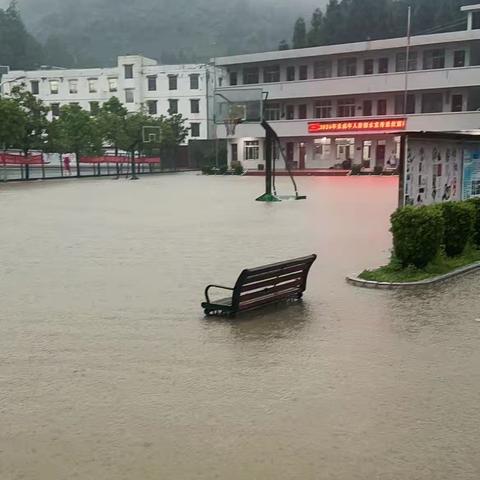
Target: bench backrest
{"type": "Point", "coordinates": [263, 285]}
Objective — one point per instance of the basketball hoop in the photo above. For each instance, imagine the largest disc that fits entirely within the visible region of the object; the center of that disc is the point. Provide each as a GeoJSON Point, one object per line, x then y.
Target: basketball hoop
{"type": "Point", "coordinates": [231, 125]}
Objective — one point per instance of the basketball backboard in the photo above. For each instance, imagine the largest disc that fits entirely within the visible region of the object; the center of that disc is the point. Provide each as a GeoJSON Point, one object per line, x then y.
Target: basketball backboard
{"type": "Point", "coordinates": [152, 134]}
{"type": "Point", "coordinates": [243, 105]}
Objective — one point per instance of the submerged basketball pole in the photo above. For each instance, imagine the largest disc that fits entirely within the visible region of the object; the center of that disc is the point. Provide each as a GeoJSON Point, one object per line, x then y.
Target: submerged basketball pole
{"type": "Point", "coordinates": [270, 137]}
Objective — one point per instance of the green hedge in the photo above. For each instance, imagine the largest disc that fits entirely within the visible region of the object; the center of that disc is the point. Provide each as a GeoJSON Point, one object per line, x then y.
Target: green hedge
{"type": "Point", "coordinates": [417, 235]}
{"type": "Point", "coordinates": [459, 219]}
{"type": "Point", "coordinates": [476, 235]}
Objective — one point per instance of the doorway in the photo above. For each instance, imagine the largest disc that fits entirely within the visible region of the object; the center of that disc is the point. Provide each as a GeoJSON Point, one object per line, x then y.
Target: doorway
{"type": "Point", "coordinates": [301, 158]}
{"type": "Point", "coordinates": [380, 154]}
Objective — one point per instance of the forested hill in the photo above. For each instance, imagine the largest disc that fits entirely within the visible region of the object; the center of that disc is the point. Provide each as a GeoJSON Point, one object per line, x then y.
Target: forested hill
{"type": "Point", "coordinates": [344, 21]}
{"type": "Point", "coordinates": [94, 32]}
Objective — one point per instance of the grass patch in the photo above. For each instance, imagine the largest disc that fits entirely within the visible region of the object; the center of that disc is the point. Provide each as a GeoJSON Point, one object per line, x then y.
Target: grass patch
{"type": "Point", "coordinates": [394, 273]}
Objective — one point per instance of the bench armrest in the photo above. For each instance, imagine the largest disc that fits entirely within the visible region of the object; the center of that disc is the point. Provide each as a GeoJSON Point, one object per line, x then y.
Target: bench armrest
{"type": "Point", "coordinates": [215, 286]}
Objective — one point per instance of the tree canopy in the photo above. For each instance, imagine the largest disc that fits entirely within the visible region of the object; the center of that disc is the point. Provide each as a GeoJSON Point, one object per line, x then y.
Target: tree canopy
{"type": "Point", "coordinates": [345, 21]}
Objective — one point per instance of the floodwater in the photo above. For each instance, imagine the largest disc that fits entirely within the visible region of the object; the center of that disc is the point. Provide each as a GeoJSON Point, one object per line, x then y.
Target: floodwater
{"type": "Point", "coordinates": [108, 369]}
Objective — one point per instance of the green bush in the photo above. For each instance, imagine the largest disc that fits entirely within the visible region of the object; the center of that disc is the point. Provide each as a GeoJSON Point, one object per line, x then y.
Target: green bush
{"type": "Point", "coordinates": [356, 169]}
{"type": "Point", "coordinates": [417, 235]}
{"type": "Point", "coordinates": [238, 169]}
{"type": "Point", "coordinates": [459, 220]}
{"type": "Point", "coordinates": [377, 170]}
{"type": "Point", "coordinates": [476, 203]}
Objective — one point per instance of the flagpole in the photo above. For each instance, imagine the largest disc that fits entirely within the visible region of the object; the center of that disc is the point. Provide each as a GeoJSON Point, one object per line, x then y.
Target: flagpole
{"type": "Point", "coordinates": [407, 58]}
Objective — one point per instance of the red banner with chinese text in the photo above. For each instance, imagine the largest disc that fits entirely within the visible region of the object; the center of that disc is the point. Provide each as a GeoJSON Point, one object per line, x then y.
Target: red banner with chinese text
{"type": "Point", "coordinates": [16, 159]}
{"type": "Point", "coordinates": [358, 126]}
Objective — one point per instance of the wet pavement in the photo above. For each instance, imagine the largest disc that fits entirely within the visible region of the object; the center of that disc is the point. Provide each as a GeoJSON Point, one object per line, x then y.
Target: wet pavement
{"type": "Point", "coordinates": [108, 369]}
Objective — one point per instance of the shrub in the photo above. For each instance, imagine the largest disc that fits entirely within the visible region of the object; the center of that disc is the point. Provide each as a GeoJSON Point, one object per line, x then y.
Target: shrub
{"type": "Point", "coordinates": [207, 170]}
{"type": "Point", "coordinates": [356, 169]}
{"type": "Point", "coordinates": [377, 170]}
{"type": "Point", "coordinates": [459, 220]}
{"type": "Point", "coordinates": [222, 170]}
{"type": "Point", "coordinates": [417, 235]}
{"type": "Point", "coordinates": [238, 169]}
{"type": "Point", "coordinates": [476, 235]}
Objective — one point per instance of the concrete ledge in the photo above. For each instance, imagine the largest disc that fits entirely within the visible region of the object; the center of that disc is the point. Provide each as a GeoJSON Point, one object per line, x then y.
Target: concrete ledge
{"type": "Point", "coordinates": [359, 282]}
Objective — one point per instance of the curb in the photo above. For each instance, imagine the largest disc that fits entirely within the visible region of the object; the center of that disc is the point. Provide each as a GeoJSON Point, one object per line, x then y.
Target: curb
{"type": "Point", "coordinates": [358, 282]}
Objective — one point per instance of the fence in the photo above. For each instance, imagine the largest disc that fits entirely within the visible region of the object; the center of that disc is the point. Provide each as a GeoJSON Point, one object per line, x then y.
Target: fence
{"type": "Point", "coordinates": [14, 166]}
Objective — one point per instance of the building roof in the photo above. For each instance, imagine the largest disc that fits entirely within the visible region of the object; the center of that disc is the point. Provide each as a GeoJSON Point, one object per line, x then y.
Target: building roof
{"type": "Point", "coordinates": [349, 48]}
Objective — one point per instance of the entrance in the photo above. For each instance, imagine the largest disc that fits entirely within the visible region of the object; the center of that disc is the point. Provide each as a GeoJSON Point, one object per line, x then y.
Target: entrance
{"type": "Point", "coordinates": [301, 159]}
{"type": "Point", "coordinates": [380, 154]}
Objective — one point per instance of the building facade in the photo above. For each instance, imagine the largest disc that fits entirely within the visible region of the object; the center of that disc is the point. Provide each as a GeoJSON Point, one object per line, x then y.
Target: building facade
{"type": "Point", "coordinates": [338, 105]}
{"type": "Point", "coordinates": [138, 82]}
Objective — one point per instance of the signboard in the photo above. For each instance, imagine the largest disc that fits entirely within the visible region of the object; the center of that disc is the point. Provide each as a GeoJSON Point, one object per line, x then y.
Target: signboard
{"type": "Point", "coordinates": [358, 126]}
{"type": "Point", "coordinates": [432, 171]}
{"type": "Point", "coordinates": [471, 170]}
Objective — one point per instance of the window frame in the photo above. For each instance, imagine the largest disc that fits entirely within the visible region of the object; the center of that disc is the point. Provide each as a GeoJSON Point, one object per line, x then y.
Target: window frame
{"type": "Point", "coordinates": [172, 82]}
{"type": "Point", "coordinates": [346, 105]}
{"type": "Point", "coordinates": [129, 95]}
{"type": "Point", "coordinates": [57, 89]}
{"type": "Point", "coordinates": [251, 75]}
{"type": "Point", "coordinates": [36, 90]}
{"type": "Point", "coordinates": [195, 102]}
{"type": "Point", "coordinates": [154, 104]}
{"type": "Point", "coordinates": [271, 74]}
{"type": "Point", "coordinates": [323, 108]}
{"type": "Point", "coordinates": [194, 81]}
{"type": "Point", "coordinates": [323, 68]}
{"type": "Point", "coordinates": [173, 102]}
{"type": "Point", "coordinates": [128, 73]}
{"type": "Point", "coordinates": [347, 67]}
{"type": "Point", "coordinates": [251, 150]}
{"type": "Point", "coordinates": [196, 133]}
{"type": "Point", "coordinates": [152, 83]}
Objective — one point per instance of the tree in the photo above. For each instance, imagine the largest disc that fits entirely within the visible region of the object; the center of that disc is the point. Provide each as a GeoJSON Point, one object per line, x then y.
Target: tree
{"type": "Point", "coordinates": [35, 120]}
{"type": "Point", "coordinates": [174, 132]}
{"type": "Point", "coordinates": [12, 123]}
{"type": "Point", "coordinates": [111, 122]}
{"type": "Point", "coordinates": [315, 35]}
{"type": "Point", "coordinates": [18, 48]}
{"type": "Point", "coordinates": [283, 45]}
{"type": "Point", "coordinates": [300, 34]}
{"type": "Point", "coordinates": [77, 132]}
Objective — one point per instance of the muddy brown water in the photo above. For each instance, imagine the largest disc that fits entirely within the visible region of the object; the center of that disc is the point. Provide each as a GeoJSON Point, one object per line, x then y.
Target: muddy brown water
{"type": "Point", "coordinates": [108, 369]}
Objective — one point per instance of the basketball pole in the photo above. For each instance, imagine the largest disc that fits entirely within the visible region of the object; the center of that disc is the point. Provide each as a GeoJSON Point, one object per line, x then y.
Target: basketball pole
{"type": "Point", "coordinates": [269, 139]}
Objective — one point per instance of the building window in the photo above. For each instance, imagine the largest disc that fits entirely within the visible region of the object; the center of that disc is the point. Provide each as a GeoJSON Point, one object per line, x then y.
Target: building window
{"type": "Point", "coordinates": [55, 108]}
{"type": "Point", "coordinates": [347, 67]}
{"type": "Point", "coordinates": [152, 83]}
{"type": "Point", "coordinates": [194, 129]}
{"type": "Point", "coordinates": [383, 64]}
{"type": "Point", "coordinates": [92, 85]}
{"type": "Point", "coordinates": [346, 107]}
{"type": "Point", "coordinates": [457, 103]}
{"type": "Point", "coordinates": [173, 106]}
{"type": "Point", "coordinates": [129, 95]}
{"type": "Point", "coordinates": [381, 107]}
{"type": "Point", "coordinates": [172, 82]}
{"type": "Point", "coordinates": [367, 108]}
{"type": "Point", "coordinates": [303, 72]}
{"type": "Point", "coordinates": [234, 151]}
{"type": "Point", "coordinates": [459, 58]}
{"type": "Point", "coordinates": [152, 107]}
{"type": "Point", "coordinates": [250, 75]}
{"type": "Point", "coordinates": [73, 86]}
{"type": "Point", "coordinates": [290, 74]}
{"type": "Point", "coordinates": [302, 111]}
{"type": "Point", "coordinates": [322, 148]}
{"type": "Point", "coordinates": [271, 74]}
{"type": "Point", "coordinates": [94, 108]}
{"type": "Point", "coordinates": [128, 71]}
{"type": "Point", "coordinates": [54, 87]}
{"type": "Point", "coordinates": [368, 66]}
{"type": "Point", "coordinates": [194, 105]}
{"type": "Point", "coordinates": [400, 104]}
{"type": "Point", "coordinates": [112, 84]}
{"type": "Point", "coordinates": [323, 109]}
{"type": "Point", "coordinates": [432, 103]}
{"type": "Point", "coordinates": [35, 87]}
{"type": "Point", "coordinates": [366, 153]}
{"type": "Point", "coordinates": [252, 150]}
{"type": "Point", "coordinates": [434, 59]}
{"type": "Point", "coordinates": [233, 78]}
{"type": "Point", "coordinates": [194, 81]}
{"type": "Point", "coordinates": [290, 112]}
{"type": "Point", "coordinates": [272, 111]}
{"type": "Point", "coordinates": [322, 69]}
{"type": "Point", "coordinates": [401, 58]}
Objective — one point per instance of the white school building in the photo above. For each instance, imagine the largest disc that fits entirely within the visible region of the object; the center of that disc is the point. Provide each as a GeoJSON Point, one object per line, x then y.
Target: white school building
{"type": "Point", "coordinates": [138, 82]}
{"type": "Point", "coordinates": [345, 104]}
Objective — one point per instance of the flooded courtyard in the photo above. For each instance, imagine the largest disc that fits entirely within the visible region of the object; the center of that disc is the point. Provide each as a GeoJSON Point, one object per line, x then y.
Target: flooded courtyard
{"type": "Point", "coordinates": [108, 369]}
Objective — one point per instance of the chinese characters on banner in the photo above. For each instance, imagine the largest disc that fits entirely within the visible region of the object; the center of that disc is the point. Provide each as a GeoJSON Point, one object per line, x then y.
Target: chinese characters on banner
{"type": "Point", "coordinates": [384, 124]}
